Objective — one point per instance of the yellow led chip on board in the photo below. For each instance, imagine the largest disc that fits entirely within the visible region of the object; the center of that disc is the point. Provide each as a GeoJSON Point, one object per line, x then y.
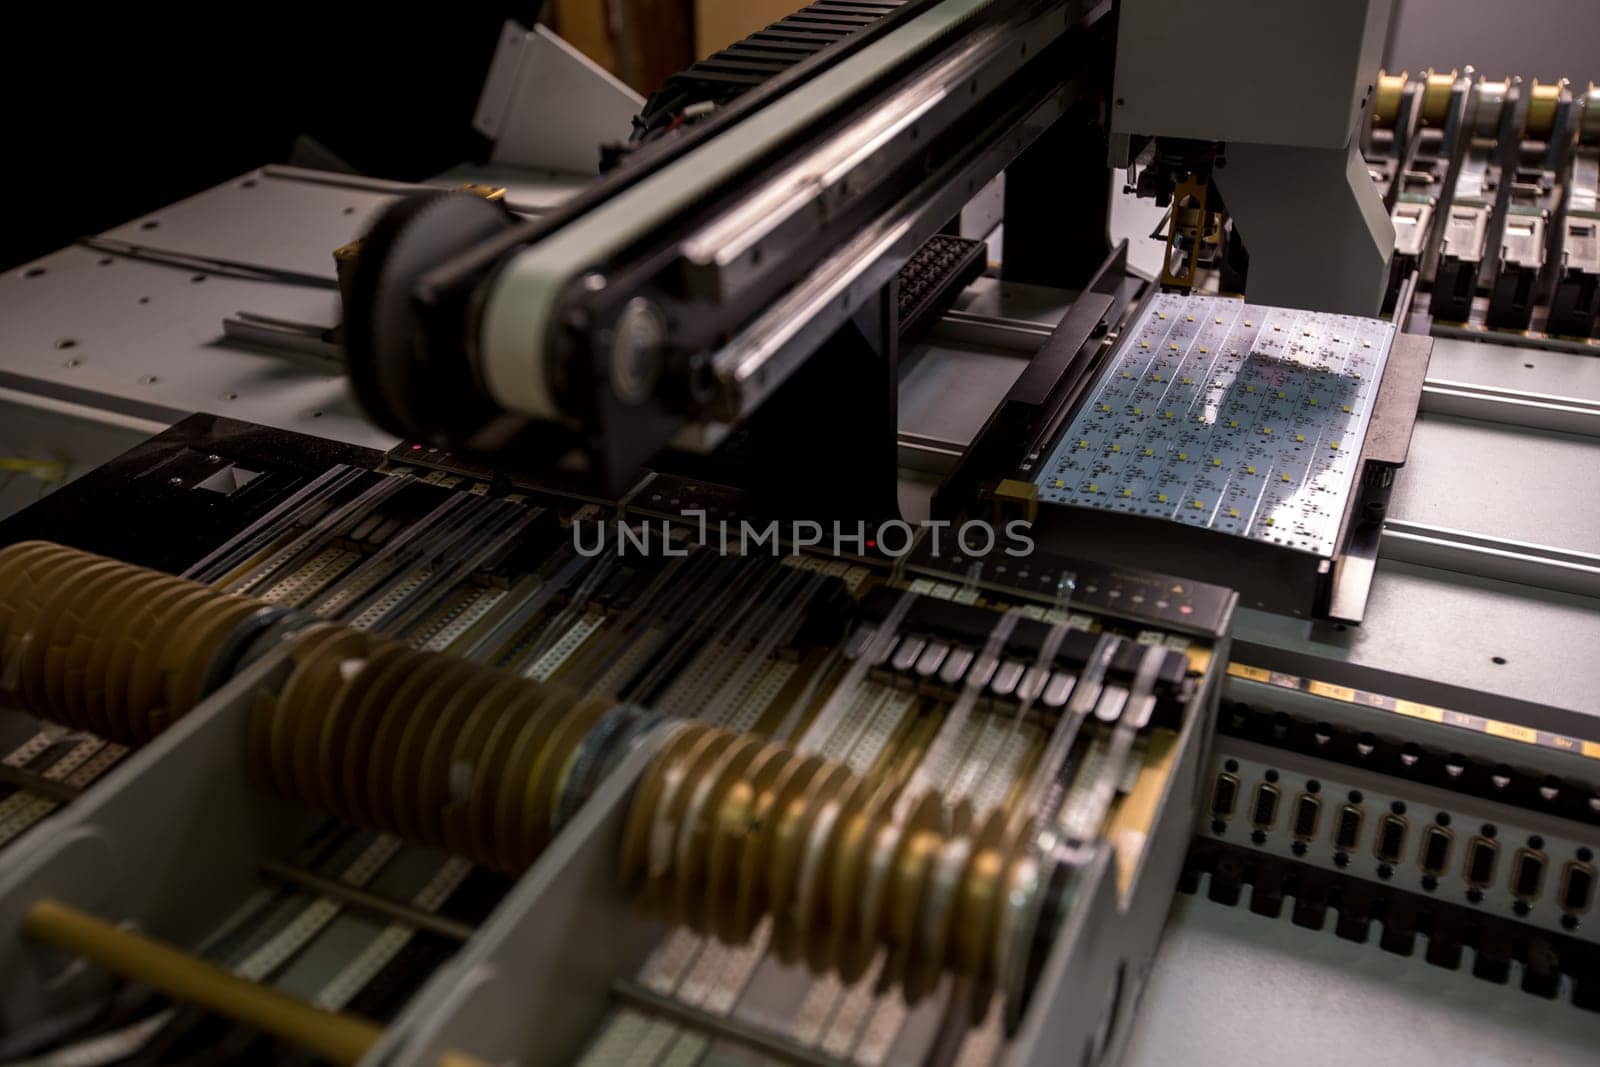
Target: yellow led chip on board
{"type": "Point", "coordinates": [1189, 317]}
{"type": "Point", "coordinates": [1083, 443]}
{"type": "Point", "coordinates": [1249, 470]}
{"type": "Point", "coordinates": [1282, 394]}
{"type": "Point", "coordinates": [1347, 409]}
{"type": "Point", "coordinates": [1219, 322]}
{"type": "Point", "coordinates": [1155, 377]}
{"type": "Point", "coordinates": [1313, 401]}
{"type": "Point", "coordinates": [1234, 423]}
{"type": "Point", "coordinates": [1167, 414]}
{"type": "Point", "coordinates": [1216, 462]}
{"type": "Point", "coordinates": [1300, 437]}
{"type": "Point", "coordinates": [1093, 488]}
{"type": "Point", "coordinates": [1233, 513]}
{"type": "Point", "coordinates": [1116, 447]}
{"type": "Point", "coordinates": [1127, 492]}
{"type": "Point", "coordinates": [1198, 505]}
{"type": "Point", "coordinates": [1105, 407]}
{"type": "Point", "coordinates": [1333, 445]}
{"type": "Point", "coordinates": [1183, 455]}
{"type": "Point", "coordinates": [1059, 484]}
{"type": "Point", "coordinates": [1271, 522]}
{"type": "Point", "coordinates": [1138, 411]}
{"type": "Point", "coordinates": [1249, 388]}
{"type": "Point", "coordinates": [1266, 429]}
{"type": "Point", "coordinates": [1161, 498]}
{"type": "Point", "coordinates": [1285, 477]}
{"type": "Point", "coordinates": [1203, 350]}
{"type": "Point", "coordinates": [1149, 451]}
{"type": "Point", "coordinates": [1144, 344]}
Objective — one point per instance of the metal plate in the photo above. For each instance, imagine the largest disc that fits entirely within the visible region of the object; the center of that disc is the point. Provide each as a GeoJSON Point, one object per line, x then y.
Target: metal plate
{"type": "Point", "coordinates": [1242, 419]}
{"type": "Point", "coordinates": [1231, 987]}
{"type": "Point", "coordinates": [270, 219]}
{"type": "Point", "coordinates": [1501, 481]}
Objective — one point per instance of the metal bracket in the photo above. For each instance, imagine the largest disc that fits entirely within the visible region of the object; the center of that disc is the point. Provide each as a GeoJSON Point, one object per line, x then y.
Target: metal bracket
{"type": "Point", "coordinates": [547, 106]}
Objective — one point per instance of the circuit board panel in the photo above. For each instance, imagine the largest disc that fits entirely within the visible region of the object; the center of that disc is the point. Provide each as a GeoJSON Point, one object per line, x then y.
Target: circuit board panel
{"type": "Point", "coordinates": [1235, 417]}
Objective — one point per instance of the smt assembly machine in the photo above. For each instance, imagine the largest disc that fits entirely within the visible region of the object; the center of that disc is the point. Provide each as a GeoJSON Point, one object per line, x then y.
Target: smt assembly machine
{"type": "Point", "coordinates": [759, 574]}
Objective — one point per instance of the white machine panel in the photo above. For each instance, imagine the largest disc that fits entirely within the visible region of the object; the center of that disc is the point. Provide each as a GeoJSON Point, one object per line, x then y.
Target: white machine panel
{"type": "Point", "coordinates": [1239, 418]}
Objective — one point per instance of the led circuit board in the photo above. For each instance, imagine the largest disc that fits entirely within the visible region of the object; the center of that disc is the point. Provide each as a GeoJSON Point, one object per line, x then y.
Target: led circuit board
{"type": "Point", "coordinates": [1243, 419]}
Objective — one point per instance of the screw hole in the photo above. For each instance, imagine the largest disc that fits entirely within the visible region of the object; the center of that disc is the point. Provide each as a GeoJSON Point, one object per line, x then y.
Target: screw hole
{"type": "Point", "coordinates": [106, 261]}
{"type": "Point", "coordinates": [33, 272]}
{"type": "Point", "coordinates": [1528, 365]}
{"type": "Point", "coordinates": [66, 342]}
{"type": "Point", "coordinates": [248, 183]}
{"type": "Point", "coordinates": [149, 224]}
{"type": "Point", "coordinates": [1499, 661]}
{"type": "Point", "coordinates": [144, 300]}
{"type": "Point", "coordinates": [197, 278]}
{"type": "Point", "coordinates": [349, 211]}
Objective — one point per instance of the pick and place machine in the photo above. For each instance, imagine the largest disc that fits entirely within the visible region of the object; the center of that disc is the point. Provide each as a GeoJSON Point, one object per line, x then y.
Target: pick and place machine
{"type": "Point", "coordinates": [789, 588]}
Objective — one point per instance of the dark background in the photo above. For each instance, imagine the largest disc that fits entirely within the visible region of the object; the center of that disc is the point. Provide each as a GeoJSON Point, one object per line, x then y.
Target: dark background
{"type": "Point", "coordinates": [108, 114]}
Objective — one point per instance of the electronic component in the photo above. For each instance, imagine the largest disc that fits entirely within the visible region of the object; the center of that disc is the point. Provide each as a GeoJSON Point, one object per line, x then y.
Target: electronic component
{"type": "Point", "coordinates": [1247, 425]}
{"type": "Point", "coordinates": [1227, 416]}
{"type": "Point", "coordinates": [434, 677]}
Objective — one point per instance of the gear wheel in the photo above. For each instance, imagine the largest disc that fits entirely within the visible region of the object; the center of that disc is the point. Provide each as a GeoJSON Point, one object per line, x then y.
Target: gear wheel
{"type": "Point", "coordinates": [408, 386]}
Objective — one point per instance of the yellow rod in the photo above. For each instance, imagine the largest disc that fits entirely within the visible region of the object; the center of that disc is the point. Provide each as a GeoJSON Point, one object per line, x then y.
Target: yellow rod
{"type": "Point", "coordinates": [334, 1036]}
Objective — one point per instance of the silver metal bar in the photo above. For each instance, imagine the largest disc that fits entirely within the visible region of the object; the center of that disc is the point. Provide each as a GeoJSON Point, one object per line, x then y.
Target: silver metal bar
{"type": "Point", "coordinates": [37, 784]}
{"type": "Point", "coordinates": [284, 335]}
{"type": "Point", "coordinates": [1511, 561]}
{"type": "Point", "coordinates": [262, 532]}
{"type": "Point", "coordinates": [933, 455]}
{"type": "Point", "coordinates": [763, 354]}
{"type": "Point", "coordinates": [364, 900]}
{"type": "Point", "coordinates": [731, 1029]}
{"type": "Point", "coordinates": [1542, 411]}
{"type": "Point", "coordinates": [1017, 335]}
